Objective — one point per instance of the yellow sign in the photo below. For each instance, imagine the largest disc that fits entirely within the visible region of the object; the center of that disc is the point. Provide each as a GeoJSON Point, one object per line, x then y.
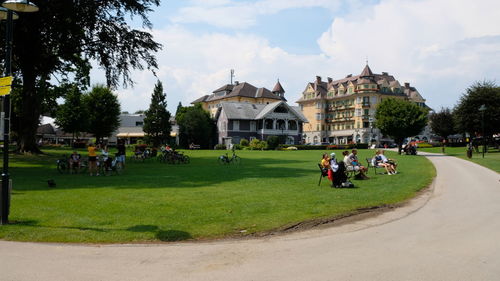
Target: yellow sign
{"type": "Point", "coordinates": [4, 90]}
{"type": "Point", "coordinates": [5, 81]}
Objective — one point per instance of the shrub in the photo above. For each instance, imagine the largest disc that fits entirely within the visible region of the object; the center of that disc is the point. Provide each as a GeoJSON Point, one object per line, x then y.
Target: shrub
{"type": "Point", "coordinates": [361, 145]}
{"type": "Point", "coordinates": [237, 146]}
{"type": "Point", "coordinates": [220, 146]}
{"type": "Point", "coordinates": [424, 145]}
{"type": "Point", "coordinates": [273, 142]}
{"type": "Point", "coordinates": [256, 144]}
{"type": "Point", "coordinates": [244, 142]}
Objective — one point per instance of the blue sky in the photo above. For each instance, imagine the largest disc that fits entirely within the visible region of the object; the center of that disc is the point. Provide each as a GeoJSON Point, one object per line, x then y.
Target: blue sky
{"type": "Point", "coordinates": [439, 46]}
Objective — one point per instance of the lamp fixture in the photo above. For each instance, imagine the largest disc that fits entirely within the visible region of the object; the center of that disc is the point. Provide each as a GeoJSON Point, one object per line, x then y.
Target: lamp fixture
{"type": "Point", "coordinates": [3, 14]}
{"type": "Point", "coordinates": [20, 6]}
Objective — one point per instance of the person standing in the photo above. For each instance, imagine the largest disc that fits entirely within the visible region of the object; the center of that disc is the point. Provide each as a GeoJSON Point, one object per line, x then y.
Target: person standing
{"type": "Point", "coordinates": [92, 159]}
{"type": "Point", "coordinates": [120, 155]}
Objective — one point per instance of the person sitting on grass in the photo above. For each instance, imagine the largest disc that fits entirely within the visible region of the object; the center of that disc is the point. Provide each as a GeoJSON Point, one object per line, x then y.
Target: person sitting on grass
{"type": "Point", "coordinates": [352, 163]}
{"type": "Point", "coordinates": [74, 161]}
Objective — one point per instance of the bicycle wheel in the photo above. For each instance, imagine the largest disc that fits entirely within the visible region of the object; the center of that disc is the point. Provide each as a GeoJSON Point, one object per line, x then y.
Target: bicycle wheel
{"type": "Point", "coordinates": [221, 161]}
{"type": "Point", "coordinates": [236, 160]}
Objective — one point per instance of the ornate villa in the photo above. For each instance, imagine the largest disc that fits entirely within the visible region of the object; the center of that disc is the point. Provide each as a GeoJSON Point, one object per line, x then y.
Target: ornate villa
{"type": "Point", "coordinates": [242, 110]}
{"type": "Point", "coordinates": [342, 111]}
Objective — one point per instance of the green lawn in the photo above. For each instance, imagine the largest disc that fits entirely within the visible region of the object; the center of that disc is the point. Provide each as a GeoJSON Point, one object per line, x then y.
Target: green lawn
{"type": "Point", "coordinates": [152, 201]}
{"type": "Point", "coordinates": [491, 159]}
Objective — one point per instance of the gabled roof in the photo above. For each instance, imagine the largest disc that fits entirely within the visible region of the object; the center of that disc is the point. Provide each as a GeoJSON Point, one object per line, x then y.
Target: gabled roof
{"type": "Point", "coordinates": [367, 72]}
{"type": "Point", "coordinates": [249, 111]}
{"type": "Point", "coordinates": [227, 87]}
{"type": "Point", "coordinates": [278, 88]}
{"type": "Point", "coordinates": [202, 99]}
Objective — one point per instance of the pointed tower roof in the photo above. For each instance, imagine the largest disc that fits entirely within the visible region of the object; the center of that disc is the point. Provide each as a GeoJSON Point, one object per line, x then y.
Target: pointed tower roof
{"type": "Point", "coordinates": [278, 88]}
{"type": "Point", "coordinates": [367, 72]}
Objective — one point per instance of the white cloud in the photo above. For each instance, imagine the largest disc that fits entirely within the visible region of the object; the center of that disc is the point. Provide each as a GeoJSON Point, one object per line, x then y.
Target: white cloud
{"type": "Point", "coordinates": [242, 14]}
{"type": "Point", "coordinates": [440, 46]}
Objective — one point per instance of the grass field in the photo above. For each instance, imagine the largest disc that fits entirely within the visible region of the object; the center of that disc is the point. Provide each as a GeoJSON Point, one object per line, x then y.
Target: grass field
{"type": "Point", "coordinates": [153, 201]}
{"type": "Point", "coordinates": [491, 159]}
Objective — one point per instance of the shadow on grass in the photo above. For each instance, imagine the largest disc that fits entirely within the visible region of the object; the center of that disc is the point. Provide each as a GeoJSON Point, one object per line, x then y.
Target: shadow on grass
{"type": "Point", "coordinates": [201, 172]}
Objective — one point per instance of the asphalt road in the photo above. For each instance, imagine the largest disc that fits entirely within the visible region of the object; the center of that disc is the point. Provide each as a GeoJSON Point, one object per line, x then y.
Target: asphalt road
{"type": "Point", "coordinates": [451, 232]}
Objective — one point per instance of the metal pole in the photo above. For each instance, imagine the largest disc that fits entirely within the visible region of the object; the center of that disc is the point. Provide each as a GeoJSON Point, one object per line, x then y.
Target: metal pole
{"type": "Point", "coordinates": [484, 137]}
{"type": "Point", "coordinates": [6, 106]}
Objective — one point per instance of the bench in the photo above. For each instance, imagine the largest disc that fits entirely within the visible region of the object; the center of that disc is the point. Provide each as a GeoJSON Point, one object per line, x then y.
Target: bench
{"type": "Point", "coordinates": [324, 173]}
{"type": "Point", "coordinates": [375, 167]}
{"type": "Point", "coordinates": [194, 146]}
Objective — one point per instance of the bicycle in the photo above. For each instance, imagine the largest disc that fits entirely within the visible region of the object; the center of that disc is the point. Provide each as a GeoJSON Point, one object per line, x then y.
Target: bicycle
{"type": "Point", "coordinates": [110, 167]}
{"type": "Point", "coordinates": [63, 166]}
{"type": "Point", "coordinates": [226, 160]}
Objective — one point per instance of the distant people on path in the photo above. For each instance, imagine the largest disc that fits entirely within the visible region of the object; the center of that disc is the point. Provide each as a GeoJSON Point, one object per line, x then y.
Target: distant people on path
{"type": "Point", "coordinates": [92, 159]}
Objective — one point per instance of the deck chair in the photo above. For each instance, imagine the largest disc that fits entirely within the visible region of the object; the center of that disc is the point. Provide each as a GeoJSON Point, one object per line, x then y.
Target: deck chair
{"type": "Point", "coordinates": [324, 173]}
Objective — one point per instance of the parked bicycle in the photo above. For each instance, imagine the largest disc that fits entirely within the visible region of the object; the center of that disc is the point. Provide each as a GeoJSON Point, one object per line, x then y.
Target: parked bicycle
{"type": "Point", "coordinates": [174, 157]}
{"type": "Point", "coordinates": [226, 160]}
{"type": "Point", "coordinates": [109, 167]}
{"type": "Point", "coordinates": [64, 166]}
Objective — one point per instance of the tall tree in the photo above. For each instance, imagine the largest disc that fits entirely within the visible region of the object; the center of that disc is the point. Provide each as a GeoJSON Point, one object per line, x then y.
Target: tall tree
{"type": "Point", "coordinates": [195, 126]}
{"type": "Point", "coordinates": [72, 115]}
{"type": "Point", "coordinates": [442, 123]}
{"type": "Point", "coordinates": [400, 119]}
{"type": "Point", "coordinates": [103, 112]}
{"type": "Point", "coordinates": [469, 118]}
{"type": "Point", "coordinates": [157, 118]}
{"type": "Point", "coordinates": [63, 36]}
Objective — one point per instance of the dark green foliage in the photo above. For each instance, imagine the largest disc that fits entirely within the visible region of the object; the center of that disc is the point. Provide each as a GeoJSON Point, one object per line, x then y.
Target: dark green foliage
{"type": "Point", "coordinates": [63, 37]}
{"type": "Point", "coordinates": [220, 146]}
{"type": "Point", "coordinates": [400, 119]}
{"type": "Point", "coordinates": [244, 142]}
{"type": "Point", "coordinates": [103, 112]}
{"type": "Point", "coordinates": [442, 123]}
{"type": "Point", "coordinates": [273, 142]}
{"type": "Point", "coordinates": [195, 126]}
{"type": "Point", "coordinates": [467, 114]}
{"type": "Point", "coordinates": [72, 116]}
{"type": "Point", "coordinates": [157, 118]}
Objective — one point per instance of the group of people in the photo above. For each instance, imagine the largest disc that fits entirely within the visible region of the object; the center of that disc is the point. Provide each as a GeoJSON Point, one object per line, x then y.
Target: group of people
{"type": "Point", "coordinates": [107, 160]}
{"type": "Point", "coordinates": [336, 169]}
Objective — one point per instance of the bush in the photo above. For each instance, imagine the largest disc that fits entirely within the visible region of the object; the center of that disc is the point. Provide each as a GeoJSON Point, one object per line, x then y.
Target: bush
{"type": "Point", "coordinates": [361, 145]}
{"type": "Point", "coordinates": [220, 146]}
{"type": "Point", "coordinates": [256, 144]}
{"type": "Point", "coordinates": [244, 142]}
{"type": "Point", "coordinates": [273, 142]}
{"type": "Point", "coordinates": [424, 145]}
{"type": "Point", "coordinates": [237, 146]}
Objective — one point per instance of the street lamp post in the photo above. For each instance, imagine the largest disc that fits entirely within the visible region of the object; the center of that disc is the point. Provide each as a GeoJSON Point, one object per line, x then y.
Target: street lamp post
{"type": "Point", "coordinates": [482, 108]}
{"type": "Point", "coordinates": [7, 12]}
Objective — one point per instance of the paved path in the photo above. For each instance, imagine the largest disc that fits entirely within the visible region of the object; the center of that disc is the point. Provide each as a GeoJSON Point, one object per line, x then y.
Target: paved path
{"type": "Point", "coordinates": [450, 233]}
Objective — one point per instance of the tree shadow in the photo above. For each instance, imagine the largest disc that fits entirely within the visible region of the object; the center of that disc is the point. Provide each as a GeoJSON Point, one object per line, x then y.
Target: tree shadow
{"type": "Point", "coordinates": [170, 235]}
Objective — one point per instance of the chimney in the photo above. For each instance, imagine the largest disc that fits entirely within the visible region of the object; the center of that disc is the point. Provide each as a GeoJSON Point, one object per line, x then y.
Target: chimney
{"type": "Point", "coordinates": [385, 73]}
{"type": "Point", "coordinates": [318, 79]}
{"type": "Point", "coordinates": [330, 80]}
{"type": "Point", "coordinates": [407, 85]}
{"type": "Point", "coordinates": [348, 76]}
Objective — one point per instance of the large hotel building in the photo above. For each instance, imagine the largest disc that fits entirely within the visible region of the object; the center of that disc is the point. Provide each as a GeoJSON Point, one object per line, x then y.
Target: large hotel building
{"type": "Point", "coordinates": [342, 111]}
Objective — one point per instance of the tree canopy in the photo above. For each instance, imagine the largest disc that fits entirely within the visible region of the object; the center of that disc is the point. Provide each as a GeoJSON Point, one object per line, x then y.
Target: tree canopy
{"type": "Point", "coordinates": [468, 117]}
{"type": "Point", "coordinates": [63, 37]}
{"type": "Point", "coordinates": [195, 126]}
{"type": "Point", "coordinates": [72, 116]}
{"type": "Point", "coordinates": [103, 112]}
{"type": "Point", "coordinates": [442, 123]}
{"type": "Point", "coordinates": [157, 118]}
{"type": "Point", "coordinates": [400, 119]}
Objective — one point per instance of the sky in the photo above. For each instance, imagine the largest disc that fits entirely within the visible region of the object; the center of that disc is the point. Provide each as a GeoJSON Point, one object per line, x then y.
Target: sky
{"type": "Point", "coordinates": [441, 47]}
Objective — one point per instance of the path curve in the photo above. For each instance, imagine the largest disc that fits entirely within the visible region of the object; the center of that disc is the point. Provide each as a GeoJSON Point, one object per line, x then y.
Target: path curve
{"type": "Point", "coordinates": [454, 235]}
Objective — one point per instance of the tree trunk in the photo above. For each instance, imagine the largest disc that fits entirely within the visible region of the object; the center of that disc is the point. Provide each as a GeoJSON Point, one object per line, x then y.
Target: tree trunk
{"type": "Point", "coordinates": [29, 115]}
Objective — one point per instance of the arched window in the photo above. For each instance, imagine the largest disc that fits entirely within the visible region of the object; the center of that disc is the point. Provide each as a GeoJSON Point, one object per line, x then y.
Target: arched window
{"type": "Point", "coordinates": [280, 125]}
{"type": "Point", "coordinates": [292, 125]}
{"type": "Point", "coordinates": [269, 124]}
{"type": "Point", "coordinates": [281, 109]}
